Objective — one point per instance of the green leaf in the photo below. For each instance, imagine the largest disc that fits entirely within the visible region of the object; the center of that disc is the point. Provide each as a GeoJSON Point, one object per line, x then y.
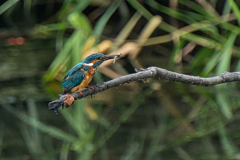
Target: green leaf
{"type": "Point", "coordinates": [193, 15]}
{"type": "Point", "coordinates": [135, 4]}
{"type": "Point", "coordinates": [79, 43]}
{"type": "Point", "coordinates": [171, 12]}
{"type": "Point", "coordinates": [196, 7]}
{"type": "Point", "coordinates": [226, 143]}
{"type": "Point", "coordinates": [81, 5]}
{"type": "Point", "coordinates": [127, 29]}
{"type": "Point", "coordinates": [79, 21]}
{"type": "Point", "coordinates": [224, 64]}
{"type": "Point", "coordinates": [212, 62]}
{"type": "Point", "coordinates": [61, 59]}
{"type": "Point", "coordinates": [74, 44]}
{"type": "Point", "coordinates": [224, 104]}
{"type": "Point", "coordinates": [6, 5]}
{"type": "Point", "coordinates": [235, 9]}
{"type": "Point", "coordinates": [227, 9]}
{"type": "Point", "coordinates": [75, 117]}
{"type": "Point", "coordinates": [176, 51]}
{"type": "Point", "coordinates": [101, 23]}
{"type": "Point", "coordinates": [222, 58]}
{"type": "Point", "coordinates": [78, 6]}
{"type": "Point", "coordinates": [50, 130]}
{"type": "Point", "coordinates": [201, 57]}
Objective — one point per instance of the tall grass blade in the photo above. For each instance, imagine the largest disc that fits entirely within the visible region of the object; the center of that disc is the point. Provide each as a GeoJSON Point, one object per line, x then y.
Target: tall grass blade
{"type": "Point", "coordinates": [50, 130]}
{"type": "Point", "coordinates": [201, 58]}
{"type": "Point", "coordinates": [227, 9]}
{"type": "Point", "coordinates": [196, 7]}
{"type": "Point", "coordinates": [176, 53]}
{"type": "Point", "coordinates": [76, 117]}
{"type": "Point", "coordinates": [127, 29]}
{"type": "Point", "coordinates": [61, 59]}
{"type": "Point", "coordinates": [66, 9]}
{"type": "Point", "coordinates": [6, 5]}
{"type": "Point", "coordinates": [77, 49]}
{"type": "Point", "coordinates": [222, 57]}
{"type": "Point", "coordinates": [80, 21]}
{"type": "Point", "coordinates": [142, 10]}
{"type": "Point", "coordinates": [81, 5]}
{"type": "Point", "coordinates": [33, 146]}
{"type": "Point", "coordinates": [158, 135]}
{"type": "Point", "coordinates": [224, 104]}
{"type": "Point", "coordinates": [235, 9]}
{"type": "Point", "coordinates": [224, 64]}
{"type": "Point", "coordinates": [101, 23]}
{"type": "Point", "coordinates": [212, 62]}
{"type": "Point", "coordinates": [226, 143]}
{"type": "Point", "coordinates": [171, 12]}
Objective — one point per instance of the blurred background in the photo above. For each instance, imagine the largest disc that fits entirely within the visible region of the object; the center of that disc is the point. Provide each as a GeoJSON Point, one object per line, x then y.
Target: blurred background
{"type": "Point", "coordinates": [40, 40]}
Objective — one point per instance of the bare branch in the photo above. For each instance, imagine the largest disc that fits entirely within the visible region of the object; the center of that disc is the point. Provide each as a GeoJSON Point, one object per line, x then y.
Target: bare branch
{"type": "Point", "coordinates": [143, 75]}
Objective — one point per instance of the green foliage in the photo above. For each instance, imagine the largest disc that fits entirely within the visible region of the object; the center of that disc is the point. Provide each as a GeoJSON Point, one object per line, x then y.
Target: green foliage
{"type": "Point", "coordinates": [182, 115]}
{"type": "Point", "coordinates": [105, 17]}
{"type": "Point", "coordinates": [7, 5]}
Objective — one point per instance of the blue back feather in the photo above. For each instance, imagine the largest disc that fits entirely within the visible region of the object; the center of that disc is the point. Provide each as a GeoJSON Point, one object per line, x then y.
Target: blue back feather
{"type": "Point", "coordinates": [73, 77]}
{"type": "Point", "coordinates": [75, 68]}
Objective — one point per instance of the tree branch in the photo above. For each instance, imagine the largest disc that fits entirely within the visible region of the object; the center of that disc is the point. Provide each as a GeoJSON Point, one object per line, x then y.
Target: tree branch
{"type": "Point", "coordinates": [143, 75]}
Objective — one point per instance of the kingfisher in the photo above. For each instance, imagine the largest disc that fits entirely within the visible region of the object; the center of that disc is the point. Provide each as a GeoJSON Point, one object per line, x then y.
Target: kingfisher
{"type": "Point", "coordinates": [79, 76]}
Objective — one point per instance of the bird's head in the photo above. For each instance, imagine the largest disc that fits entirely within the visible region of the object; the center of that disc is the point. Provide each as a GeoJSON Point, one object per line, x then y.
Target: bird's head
{"type": "Point", "coordinates": [96, 59]}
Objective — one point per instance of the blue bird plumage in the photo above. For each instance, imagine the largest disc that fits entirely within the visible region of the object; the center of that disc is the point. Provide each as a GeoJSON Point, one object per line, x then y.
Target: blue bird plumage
{"type": "Point", "coordinates": [82, 73]}
{"type": "Point", "coordinates": [73, 77]}
{"type": "Point", "coordinates": [93, 57]}
{"type": "Point", "coordinates": [74, 69]}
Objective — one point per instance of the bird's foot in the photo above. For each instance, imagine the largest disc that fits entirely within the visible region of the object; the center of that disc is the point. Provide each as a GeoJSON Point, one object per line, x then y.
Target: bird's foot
{"type": "Point", "coordinates": [68, 100]}
{"type": "Point", "coordinates": [79, 92]}
{"type": "Point", "coordinates": [90, 88]}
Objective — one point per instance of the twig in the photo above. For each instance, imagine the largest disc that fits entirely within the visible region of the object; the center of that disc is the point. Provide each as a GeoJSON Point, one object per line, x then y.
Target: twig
{"type": "Point", "coordinates": [143, 75]}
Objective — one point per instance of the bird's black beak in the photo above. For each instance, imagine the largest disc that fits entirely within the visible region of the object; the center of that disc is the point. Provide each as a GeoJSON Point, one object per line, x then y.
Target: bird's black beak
{"type": "Point", "coordinates": [113, 56]}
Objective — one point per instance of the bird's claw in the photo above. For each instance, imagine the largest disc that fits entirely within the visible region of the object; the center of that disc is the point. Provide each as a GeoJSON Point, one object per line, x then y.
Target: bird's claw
{"type": "Point", "coordinates": [140, 69]}
{"type": "Point", "coordinates": [56, 112]}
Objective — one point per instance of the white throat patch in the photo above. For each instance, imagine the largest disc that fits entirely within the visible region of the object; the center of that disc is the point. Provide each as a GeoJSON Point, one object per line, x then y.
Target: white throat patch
{"type": "Point", "coordinates": [88, 64]}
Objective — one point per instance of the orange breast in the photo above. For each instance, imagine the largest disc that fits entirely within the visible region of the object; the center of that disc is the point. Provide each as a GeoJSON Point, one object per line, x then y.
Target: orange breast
{"type": "Point", "coordinates": [87, 79]}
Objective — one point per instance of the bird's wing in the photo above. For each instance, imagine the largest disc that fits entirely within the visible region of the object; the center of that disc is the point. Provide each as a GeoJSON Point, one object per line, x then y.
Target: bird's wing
{"type": "Point", "coordinates": [74, 69]}
{"type": "Point", "coordinates": [73, 78]}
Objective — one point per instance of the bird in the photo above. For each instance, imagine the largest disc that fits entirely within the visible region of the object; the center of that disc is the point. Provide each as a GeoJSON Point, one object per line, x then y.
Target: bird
{"type": "Point", "coordinates": [79, 76]}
